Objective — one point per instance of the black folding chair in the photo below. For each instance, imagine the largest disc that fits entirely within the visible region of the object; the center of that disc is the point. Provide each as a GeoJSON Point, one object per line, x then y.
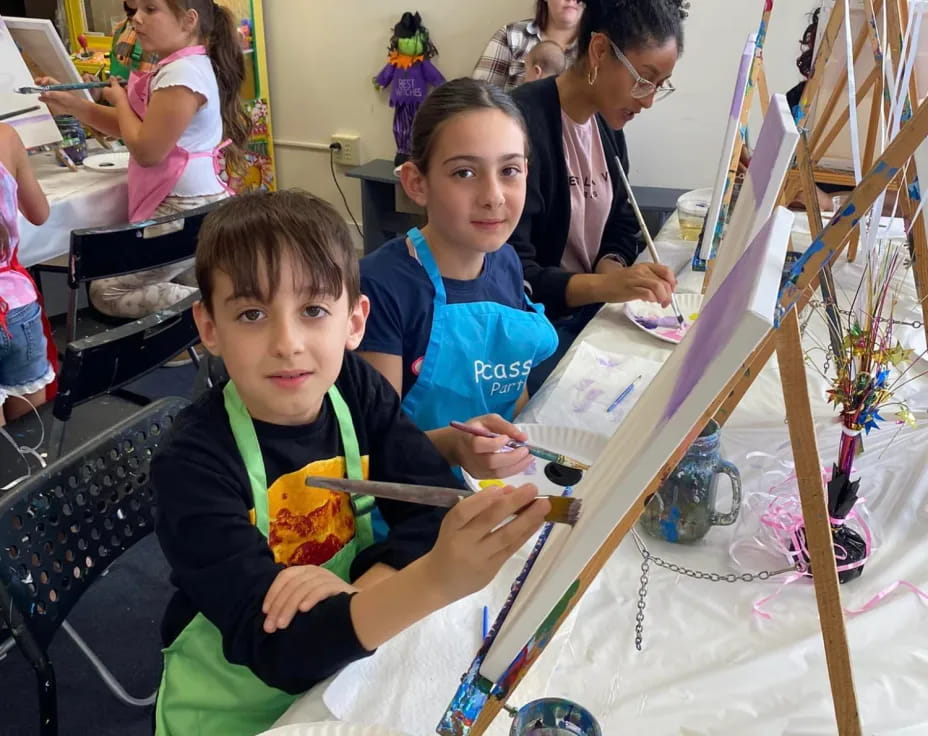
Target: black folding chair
{"type": "Point", "coordinates": [63, 528]}
{"type": "Point", "coordinates": [99, 253]}
{"type": "Point", "coordinates": [104, 363]}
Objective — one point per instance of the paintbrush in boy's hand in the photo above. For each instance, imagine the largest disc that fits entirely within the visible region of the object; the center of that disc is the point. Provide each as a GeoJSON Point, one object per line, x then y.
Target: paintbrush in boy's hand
{"type": "Point", "coordinates": [564, 509]}
{"type": "Point", "coordinates": [539, 452]}
{"type": "Point", "coordinates": [652, 250]}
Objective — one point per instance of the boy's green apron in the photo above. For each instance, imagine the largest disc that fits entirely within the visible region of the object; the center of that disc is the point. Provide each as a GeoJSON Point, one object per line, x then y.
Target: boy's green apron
{"type": "Point", "coordinates": [202, 693]}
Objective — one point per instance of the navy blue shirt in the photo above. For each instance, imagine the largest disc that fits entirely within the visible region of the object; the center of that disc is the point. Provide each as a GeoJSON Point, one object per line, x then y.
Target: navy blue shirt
{"type": "Point", "coordinates": [401, 297]}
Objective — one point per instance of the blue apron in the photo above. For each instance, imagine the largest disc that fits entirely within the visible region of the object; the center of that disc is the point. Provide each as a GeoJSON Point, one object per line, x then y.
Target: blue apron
{"type": "Point", "coordinates": [478, 357]}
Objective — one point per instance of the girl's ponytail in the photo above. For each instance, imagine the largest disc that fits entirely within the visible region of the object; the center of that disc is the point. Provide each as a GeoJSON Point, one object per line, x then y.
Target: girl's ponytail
{"type": "Point", "coordinates": [217, 29]}
{"type": "Point", "coordinates": [229, 66]}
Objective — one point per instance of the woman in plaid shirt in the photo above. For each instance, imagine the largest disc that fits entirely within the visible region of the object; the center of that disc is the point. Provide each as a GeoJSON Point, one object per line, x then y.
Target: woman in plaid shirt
{"type": "Point", "coordinates": [503, 60]}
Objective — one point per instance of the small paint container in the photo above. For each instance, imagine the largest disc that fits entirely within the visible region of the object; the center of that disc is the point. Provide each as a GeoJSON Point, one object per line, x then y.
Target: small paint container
{"type": "Point", "coordinates": [692, 208]}
{"type": "Point", "coordinates": [73, 138]}
{"type": "Point", "coordinates": [554, 717]}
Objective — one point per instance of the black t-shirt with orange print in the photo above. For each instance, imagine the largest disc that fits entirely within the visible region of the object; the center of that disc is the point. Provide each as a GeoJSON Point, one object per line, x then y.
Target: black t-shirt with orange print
{"type": "Point", "coordinates": [223, 566]}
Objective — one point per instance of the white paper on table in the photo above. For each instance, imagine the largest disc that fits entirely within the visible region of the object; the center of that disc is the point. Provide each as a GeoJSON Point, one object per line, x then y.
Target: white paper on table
{"type": "Point", "coordinates": [581, 395]}
{"type": "Point", "coordinates": [410, 681]}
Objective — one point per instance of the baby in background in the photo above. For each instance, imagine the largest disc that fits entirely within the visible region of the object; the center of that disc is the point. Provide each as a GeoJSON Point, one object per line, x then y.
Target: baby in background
{"type": "Point", "coordinates": [547, 59]}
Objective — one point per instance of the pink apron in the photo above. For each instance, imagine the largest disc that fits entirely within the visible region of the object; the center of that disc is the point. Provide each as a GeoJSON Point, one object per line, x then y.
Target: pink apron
{"type": "Point", "coordinates": [150, 185]}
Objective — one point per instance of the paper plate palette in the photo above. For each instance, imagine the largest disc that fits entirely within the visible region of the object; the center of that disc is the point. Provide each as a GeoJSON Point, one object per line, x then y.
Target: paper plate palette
{"type": "Point", "coordinates": [331, 728]}
{"type": "Point", "coordinates": [111, 162]}
{"type": "Point", "coordinates": [661, 322]}
{"type": "Point", "coordinates": [576, 443]}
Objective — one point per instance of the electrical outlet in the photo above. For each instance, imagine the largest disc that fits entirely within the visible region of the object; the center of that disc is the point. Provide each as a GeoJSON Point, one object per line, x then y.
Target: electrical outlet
{"type": "Point", "coordinates": [349, 154]}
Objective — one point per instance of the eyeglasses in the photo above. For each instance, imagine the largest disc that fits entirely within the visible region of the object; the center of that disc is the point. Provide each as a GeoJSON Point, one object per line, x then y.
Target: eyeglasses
{"type": "Point", "coordinates": [642, 87]}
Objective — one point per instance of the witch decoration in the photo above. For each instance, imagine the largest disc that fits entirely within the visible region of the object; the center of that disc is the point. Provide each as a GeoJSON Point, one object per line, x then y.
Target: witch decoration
{"type": "Point", "coordinates": [409, 73]}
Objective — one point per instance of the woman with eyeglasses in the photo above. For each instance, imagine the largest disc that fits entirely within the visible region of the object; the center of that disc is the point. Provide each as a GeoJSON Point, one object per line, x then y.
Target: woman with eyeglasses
{"type": "Point", "coordinates": [578, 237]}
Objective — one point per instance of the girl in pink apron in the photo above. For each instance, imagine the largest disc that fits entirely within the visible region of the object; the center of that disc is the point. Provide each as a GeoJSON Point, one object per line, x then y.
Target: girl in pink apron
{"type": "Point", "coordinates": [174, 120]}
{"type": "Point", "coordinates": [26, 373]}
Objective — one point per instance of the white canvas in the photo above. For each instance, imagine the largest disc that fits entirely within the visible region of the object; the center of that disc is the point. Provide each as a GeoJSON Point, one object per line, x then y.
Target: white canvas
{"type": "Point", "coordinates": [769, 165]}
{"type": "Point", "coordinates": [729, 328]}
{"type": "Point", "coordinates": [728, 146]}
{"type": "Point", "coordinates": [41, 44]}
{"type": "Point", "coordinates": [37, 127]}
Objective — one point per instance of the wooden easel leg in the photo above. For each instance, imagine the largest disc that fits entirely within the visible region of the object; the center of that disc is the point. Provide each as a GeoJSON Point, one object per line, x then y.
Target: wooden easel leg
{"type": "Point", "coordinates": [817, 525]}
{"type": "Point", "coordinates": [760, 81]}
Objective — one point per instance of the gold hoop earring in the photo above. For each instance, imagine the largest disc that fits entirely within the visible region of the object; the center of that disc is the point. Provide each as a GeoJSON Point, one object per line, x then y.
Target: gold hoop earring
{"type": "Point", "coordinates": [593, 75]}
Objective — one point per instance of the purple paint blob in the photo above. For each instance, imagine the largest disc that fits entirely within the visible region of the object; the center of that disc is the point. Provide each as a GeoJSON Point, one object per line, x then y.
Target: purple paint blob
{"type": "Point", "coordinates": [652, 322]}
{"type": "Point", "coordinates": [718, 319]}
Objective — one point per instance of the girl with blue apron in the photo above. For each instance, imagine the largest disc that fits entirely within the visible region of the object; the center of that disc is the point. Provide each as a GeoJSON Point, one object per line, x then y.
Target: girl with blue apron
{"type": "Point", "coordinates": [201, 692]}
{"type": "Point", "coordinates": [478, 357]}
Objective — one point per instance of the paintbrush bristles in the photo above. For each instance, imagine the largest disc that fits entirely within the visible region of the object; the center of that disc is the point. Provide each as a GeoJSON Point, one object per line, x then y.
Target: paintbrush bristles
{"type": "Point", "coordinates": [569, 462]}
{"type": "Point", "coordinates": [564, 509]}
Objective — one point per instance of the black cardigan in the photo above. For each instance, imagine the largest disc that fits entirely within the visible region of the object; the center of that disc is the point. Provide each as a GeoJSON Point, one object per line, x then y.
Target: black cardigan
{"type": "Point", "coordinates": [541, 235]}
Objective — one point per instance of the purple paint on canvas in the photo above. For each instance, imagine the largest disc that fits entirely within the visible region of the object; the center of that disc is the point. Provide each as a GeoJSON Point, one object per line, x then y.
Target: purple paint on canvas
{"type": "Point", "coordinates": [743, 71]}
{"type": "Point", "coordinates": [29, 121]}
{"type": "Point", "coordinates": [718, 319]}
{"type": "Point", "coordinates": [772, 133]}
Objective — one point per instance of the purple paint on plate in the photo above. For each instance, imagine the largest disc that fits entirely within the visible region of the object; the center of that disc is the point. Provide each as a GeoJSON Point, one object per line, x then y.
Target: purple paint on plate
{"type": "Point", "coordinates": [650, 322]}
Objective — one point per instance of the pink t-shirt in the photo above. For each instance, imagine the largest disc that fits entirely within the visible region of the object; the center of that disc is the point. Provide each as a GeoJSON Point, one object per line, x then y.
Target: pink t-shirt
{"type": "Point", "coordinates": [15, 289]}
{"type": "Point", "coordinates": [590, 193]}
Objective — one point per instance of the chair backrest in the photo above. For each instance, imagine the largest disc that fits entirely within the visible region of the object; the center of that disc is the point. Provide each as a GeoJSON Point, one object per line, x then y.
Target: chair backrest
{"type": "Point", "coordinates": [98, 253]}
{"type": "Point", "coordinates": [107, 361]}
{"type": "Point", "coordinates": [64, 526]}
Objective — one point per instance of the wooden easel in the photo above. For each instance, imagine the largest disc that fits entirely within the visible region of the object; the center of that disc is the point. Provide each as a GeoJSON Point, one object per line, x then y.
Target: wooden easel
{"type": "Point", "coordinates": [757, 81]}
{"type": "Point", "coordinates": [828, 127]}
{"type": "Point", "coordinates": [786, 340]}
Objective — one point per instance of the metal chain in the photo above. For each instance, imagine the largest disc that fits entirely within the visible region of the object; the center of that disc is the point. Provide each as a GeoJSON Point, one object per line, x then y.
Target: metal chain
{"type": "Point", "coordinates": [712, 577]}
{"type": "Point", "coordinates": [817, 303]}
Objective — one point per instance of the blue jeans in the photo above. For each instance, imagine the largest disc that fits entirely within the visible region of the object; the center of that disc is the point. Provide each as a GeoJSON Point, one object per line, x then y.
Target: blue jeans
{"type": "Point", "coordinates": [567, 330]}
{"type": "Point", "coordinates": [23, 359]}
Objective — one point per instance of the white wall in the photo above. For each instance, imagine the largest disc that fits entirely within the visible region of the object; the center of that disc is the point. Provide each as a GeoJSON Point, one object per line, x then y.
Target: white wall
{"type": "Point", "coordinates": [678, 142]}
{"type": "Point", "coordinates": [323, 55]}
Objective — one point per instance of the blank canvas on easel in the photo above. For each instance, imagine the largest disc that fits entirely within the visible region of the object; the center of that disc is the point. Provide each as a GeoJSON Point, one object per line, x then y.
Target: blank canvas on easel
{"type": "Point", "coordinates": [729, 328]}
{"type": "Point", "coordinates": [36, 127]}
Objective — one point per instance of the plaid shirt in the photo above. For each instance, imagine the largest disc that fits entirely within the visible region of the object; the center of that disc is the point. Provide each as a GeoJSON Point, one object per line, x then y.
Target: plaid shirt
{"type": "Point", "coordinates": [503, 60]}
{"type": "Point", "coordinates": [127, 55]}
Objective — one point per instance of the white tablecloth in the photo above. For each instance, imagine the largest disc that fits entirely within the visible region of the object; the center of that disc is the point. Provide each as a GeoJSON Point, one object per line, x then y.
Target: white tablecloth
{"type": "Point", "coordinates": [709, 665]}
{"type": "Point", "coordinates": [77, 199]}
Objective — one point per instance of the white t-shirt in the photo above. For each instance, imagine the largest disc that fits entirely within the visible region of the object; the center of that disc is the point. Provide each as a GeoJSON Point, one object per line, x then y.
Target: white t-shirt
{"type": "Point", "coordinates": [205, 130]}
